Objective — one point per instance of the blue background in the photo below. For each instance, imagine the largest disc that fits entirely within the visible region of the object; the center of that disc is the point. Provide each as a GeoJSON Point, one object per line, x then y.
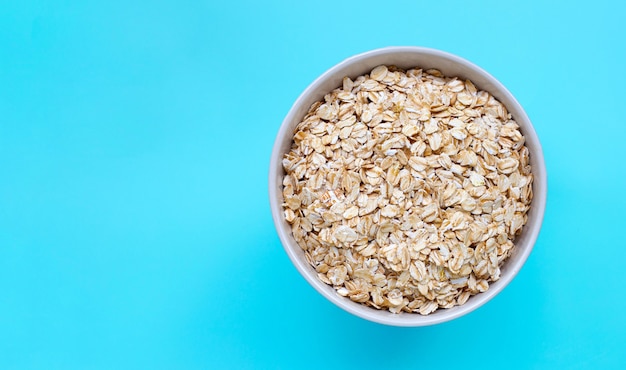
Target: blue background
{"type": "Point", "coordinates": [135, 229]}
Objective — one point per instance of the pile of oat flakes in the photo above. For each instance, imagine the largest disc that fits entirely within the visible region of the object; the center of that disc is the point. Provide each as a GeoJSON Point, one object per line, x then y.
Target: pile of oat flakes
{"type": "Point", "coordinates": [406, 189]}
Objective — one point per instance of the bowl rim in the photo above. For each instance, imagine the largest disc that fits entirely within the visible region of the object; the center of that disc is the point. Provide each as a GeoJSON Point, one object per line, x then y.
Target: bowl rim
{"type": "Point", "coordinates": [382, 316]}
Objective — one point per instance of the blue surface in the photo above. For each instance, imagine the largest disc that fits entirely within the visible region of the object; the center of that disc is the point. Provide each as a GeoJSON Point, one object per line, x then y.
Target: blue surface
{"type": "Point", "coordinates": [135, 230]}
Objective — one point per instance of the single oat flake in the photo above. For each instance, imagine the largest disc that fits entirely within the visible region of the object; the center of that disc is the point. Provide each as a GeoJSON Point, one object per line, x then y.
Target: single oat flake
{"type": "Point", "coordinates": [406, 189]}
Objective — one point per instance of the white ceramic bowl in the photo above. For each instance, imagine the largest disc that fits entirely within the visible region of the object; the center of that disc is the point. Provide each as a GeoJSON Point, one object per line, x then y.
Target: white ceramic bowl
{"type": "Point", "coordinates": [450, 65]}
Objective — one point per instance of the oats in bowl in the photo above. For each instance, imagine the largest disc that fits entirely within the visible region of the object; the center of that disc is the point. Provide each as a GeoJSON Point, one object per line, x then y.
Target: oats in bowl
{"type": "Point", "coordinates": [406, 189]}
{"type": "Point", "coordinates": [407, 196]}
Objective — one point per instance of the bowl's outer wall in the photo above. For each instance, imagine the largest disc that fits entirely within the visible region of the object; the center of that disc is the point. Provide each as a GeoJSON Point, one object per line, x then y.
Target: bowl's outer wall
{"type": "Point", "coordinates": [450, 65]}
